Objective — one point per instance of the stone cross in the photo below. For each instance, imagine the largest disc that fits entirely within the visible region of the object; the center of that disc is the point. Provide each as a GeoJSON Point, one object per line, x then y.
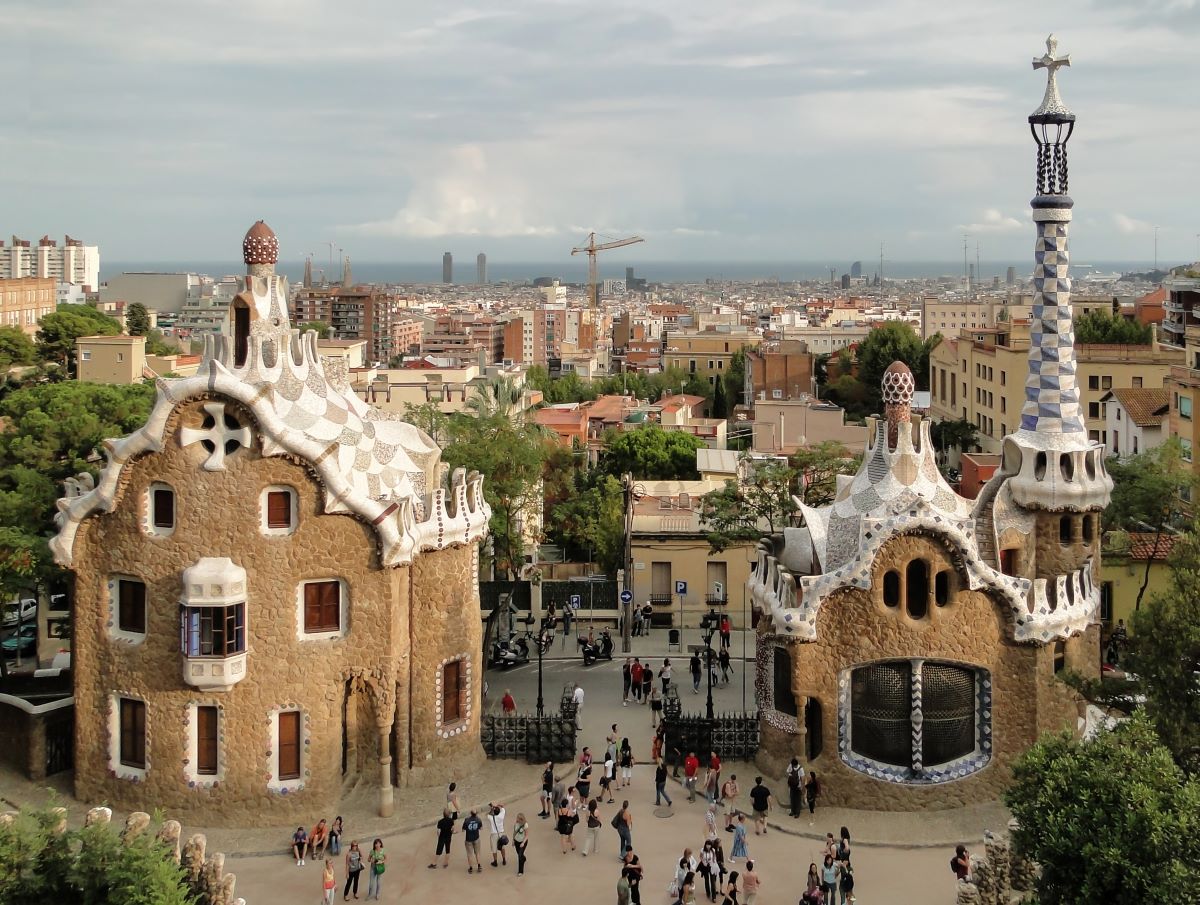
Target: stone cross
{"type": "Point", "coordinates": [1051, 103]}
{"type": "Point", "coordinates": [216, 437]}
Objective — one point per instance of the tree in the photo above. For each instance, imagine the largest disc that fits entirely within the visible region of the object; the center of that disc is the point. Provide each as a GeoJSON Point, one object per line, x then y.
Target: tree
{"type": "Point", "coordinates": [651, 453]}
{"type": "Point", "coordinates": [498, 396]}
{"type": "Point", "coordinates": [429, 418]}
{"type": "Point", "coordinates": [720, 407]}
{"type": "Point", "coordinates": [1112, 819]}
{"type": "Point", "coordinates": [1164, 654]}
{"type": "Point", "coordinates": [15, 348]}
{"type": "Point", "coordinates": [137, 319]}
{"type": "Point", "coordinates": [1101, 327]}
{"type": "Point", "coordinates": [817, 468]}
{"type": "Point", "coordinates": [1148, 488]}
{"type": "Point", "coordinates": [324, 331]}
{"type": "Point", "coordinates": [735, 381]}
{"type": "Point", "coordinates": [894, 341]}
{"type": "Point", "coordinates": [156, 344]}
{"type": "Point", "coordinates": [745, 510]}
{"type": "Point", "coordinates": [59, 329]}
{"type": "Point", "coordinates": [593, 521]}
{"type": "Point", "coordinates": [958, 434]}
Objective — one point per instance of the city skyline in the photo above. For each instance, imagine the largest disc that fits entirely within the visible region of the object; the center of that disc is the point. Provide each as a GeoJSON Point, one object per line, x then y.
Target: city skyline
{"type": "Point", "coordinates": [782, 131]}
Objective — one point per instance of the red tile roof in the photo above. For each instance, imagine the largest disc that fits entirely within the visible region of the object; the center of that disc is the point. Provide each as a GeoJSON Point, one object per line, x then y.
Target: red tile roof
{"type": "Point", "coordinates": [1146, 407]}
{"type": "Point", "coordinates": [1142, 545]}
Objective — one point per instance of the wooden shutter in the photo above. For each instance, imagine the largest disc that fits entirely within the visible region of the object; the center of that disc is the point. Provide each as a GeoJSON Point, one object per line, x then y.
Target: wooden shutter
{"type": "Point", "coordinates": [131, 606]}
{"type": "Point", "coordinates": [452, 691]}
{"type": "Point", "coordinates": [289, 745]}
{"type": "Point", "coordinates": [206, 741]}
{"type": "Point", "coordinates": [164, 508]}
{"type": "Point", "coordinates": [133, 733]}
{"type": "Point", "coordinates": [322, 606]}
{"type": "Point", "coordinates": [279, 509]}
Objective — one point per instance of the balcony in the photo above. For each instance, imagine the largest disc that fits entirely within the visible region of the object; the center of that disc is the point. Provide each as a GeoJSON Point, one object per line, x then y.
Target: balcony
{"type": "Point", "coordinates": [213, 624]}
{"type": "Point", "coordinates": [660, 599]}
{"type": "Point", "coordinates": [219, 674]}
{"type": "Point", "coordinates": [716, 599]}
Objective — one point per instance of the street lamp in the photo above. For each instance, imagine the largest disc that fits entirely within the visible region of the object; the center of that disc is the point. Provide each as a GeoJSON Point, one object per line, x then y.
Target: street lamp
{"type": "Point", "coordinates": [709, 623]}
{"type": "Point", "coordinates": [542, 643]}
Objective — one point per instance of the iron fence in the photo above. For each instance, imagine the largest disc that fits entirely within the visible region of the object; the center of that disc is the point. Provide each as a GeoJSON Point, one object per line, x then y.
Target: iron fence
{"type": "Point", "coordinates": [733, 736]}
{"type": "Point", "coordinates": [532, 738]}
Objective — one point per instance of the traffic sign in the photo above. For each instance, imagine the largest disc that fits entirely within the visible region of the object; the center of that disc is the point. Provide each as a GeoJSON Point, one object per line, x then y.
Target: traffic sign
{"type": "Point", "coordinates": [627, 596]}
{"type": "Point", "coordinates": [681, 588]}
{"type": "Point", "coordinates": [576, 599]}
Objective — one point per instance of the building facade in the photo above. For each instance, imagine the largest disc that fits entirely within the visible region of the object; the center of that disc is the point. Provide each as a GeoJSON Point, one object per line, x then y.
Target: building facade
{"type": "Point", "coordinates": [73, 262]}
{"type": "Point", "coordinates": [275, 589]}
{"type": "Point", "coordinates": [358, 312]}
{"type": "Point", "coordinates": [25, 301]}
{"type": "Point", "coordinates": [707, 353]}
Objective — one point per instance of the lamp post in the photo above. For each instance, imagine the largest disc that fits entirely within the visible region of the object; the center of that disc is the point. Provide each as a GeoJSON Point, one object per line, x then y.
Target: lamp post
{"type": "Point", "coordinates": [709, 624]}
{"type": "Point", "coordinates": [541, 707]}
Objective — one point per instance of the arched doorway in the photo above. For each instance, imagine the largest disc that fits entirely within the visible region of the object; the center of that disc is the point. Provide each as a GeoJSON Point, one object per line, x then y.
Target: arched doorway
{"type": "Point", "coordinates": [360, 732]}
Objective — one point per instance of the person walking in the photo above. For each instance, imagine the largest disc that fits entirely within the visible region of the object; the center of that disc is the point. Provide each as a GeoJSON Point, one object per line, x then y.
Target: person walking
{"type": "Point", "coordinates": [626, 755]}
{"type": "Point", "coordinates": [656, 706]}
{"type": "Point", "coordinates": [335, 836]}
{"type": "Point", "coordinates": [568, 615]}
{"type": "Point", "coordinates": [660, 784]}
{"type": "Point", "coordinates": [635, 679]}
{"type": "Point", "coordinates": [729, 796]}
{"type": "Point", "coordinates": [607, 774]}
{"type": "Point", "coordinates": [520, 842]}
{"type": "Point", "coordinates": [647, 682]}
{"type": "Point", "coordinates": [354, 867]}
{"type": "Point", "coordinates": [760, 800]}
{"type": "Point", "coordinates": [830, 873]}
{"type": "Point", "coordinates": [694, 665]}
{"type": "Point", "coordinates": [719, 854]}
{"type": "Point", "coordinates": [577, 699]}
{"type": "Point", "coordinates": [731, 889]}
{"type": "Point", "coordinates": [471, 829]}
{"type": "Point", "coordinates": [708, 870]}
{"type": "Point", "coordinates": [566, 825]}
{"type": "Point", "coordinates": [723, 661]}
{"type": "Point", "coordinates": [376, 865]}
{"type": "Point", "coordinates": [795, 784]}
{"type": "Point", "coordinates": [328, 883]}
{"type": "Point", "coordinates": [691, 766]}
{"type": "Point", "coordinates": [812, 789]}
{"type": "Point", "coordinates": [445, 829]}
{"type": "Point", "coordinates": [631, 864]}
{"type": "Point", "coordinates": [626, 678]}
{"type": "Point", "coordinates": [843, 848]}
{"type": "Point", "coordinates": [687, 889]}
{"type": "Point", "coordinates": [508, 704]}
{"type": "Point", "coordinates": [583, 782]}
{"type": "Point", "coordinates": [623, 823]}
{"type": "Point", "coordinates": [496, 838]}
{"type": "Point", "coordinates": [452, 800]}
{"type": "Point", "coordinates": [846, 884]}
{"type": "Point", "coordinates": [591, 839]}
{"type": "Point", "coordinates": [710, 821]}
{"type": "Point", "coordinates": [665, 675]}
{"type": "Point", "coordinates": [623, 888]}
{"type": "Point", "coordinates": [750, 884]}
{"type": "Point", "coordinates": [545, 799]}
{"type": "Point", "coordinates": [712, 777]}
{"type": "Point", "coordinates": [812, 889]}
{"type": "Point", "coordinates": [961, 863]}
{"type": "Point", "coordinates": [739, 839]}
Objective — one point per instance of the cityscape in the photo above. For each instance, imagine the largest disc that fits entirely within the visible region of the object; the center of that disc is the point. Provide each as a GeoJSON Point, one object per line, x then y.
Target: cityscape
{"type": "Point", "coordinates": [715, 553]}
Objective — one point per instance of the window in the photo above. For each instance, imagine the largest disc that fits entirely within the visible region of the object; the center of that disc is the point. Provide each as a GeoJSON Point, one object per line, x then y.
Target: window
{"type": "Point", "coordinates": [1185, 449]}
{"type": "Point", "coordinates": [1118, 414]}
{"type": "Point", "coordinates": [322, 607]}
{"type": "Point", "coordinates": [131, 606]}
{"type": "Point", "coordinates": [1106, 601]}
{"type": "Point", "coordinates": [916, 589]}
{"type": "Point", "coordinates": [288, 746]}
{"type": "Point", "coordinates": [1093, 382]}
{"type": "Point", "coordinates": [214, 631]}
{"type": "Point", "coordinates": [453, 691]}
{"type": "Point", "coordinates": [1106, 382]}
{"type": "Point", "coordinates": [891, 588]}
{"type": "Point", "coordinates": [120, 356]}
{"type": "Point", "coordinates": [132, 733]}
{"type": "Point", "coordinates": [1009, 563]}
{"type": "Point", "coordinates": [941, 588]}
{"type": "Point", "coordinates": [1093, 409]}
{"type": "Point", "coordinates": [1003, 378]}
{"type": "Point", "coordinates": [1060, 656]}
{"type": "Point", "coordinates": [776, 394]}
{"type": "Point", "coordinates": [85, 355]}
{"type": "Point", "coordinates": [1003, 406]}
{"type": "Point", "coordinates": [206, 740]}
{"type": "Point", "coordinates": [1185, 407]}
{"type": "Point", "coordinates": [1087, 529]}
{"type": "Point", "coordinates": [279, 510]}
{"type": "Point", "coordinates": [1064, 530]}
{"type": "Point", "coordinates": [162, 509]}
{"type": "Point", "coordinates": [1137, 382]}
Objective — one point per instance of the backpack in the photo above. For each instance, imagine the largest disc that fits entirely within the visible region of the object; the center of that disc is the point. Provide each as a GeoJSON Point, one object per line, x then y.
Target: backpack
{"type": "Point", "coordinates": [793, 780]}
{"type": "Point", "coordinates": [618, 821]}
{"type": "Point", "coordinates": [954, 865]}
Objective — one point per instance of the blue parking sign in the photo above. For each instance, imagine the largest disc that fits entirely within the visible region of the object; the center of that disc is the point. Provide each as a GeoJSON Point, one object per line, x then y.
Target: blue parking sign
{"type": "Point", "coordinates": [576, 599]}
{"type": "Point", "coordinates": [681, 588]}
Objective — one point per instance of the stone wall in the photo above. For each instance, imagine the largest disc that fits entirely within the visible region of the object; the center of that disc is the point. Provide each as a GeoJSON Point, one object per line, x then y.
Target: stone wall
{"type": "Point", "coordinates": [362, 673]}
{"type": "Point", "coordinates": [854, 627]}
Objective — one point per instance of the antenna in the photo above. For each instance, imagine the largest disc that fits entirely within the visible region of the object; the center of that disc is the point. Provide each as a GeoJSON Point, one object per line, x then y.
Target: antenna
{"type": "Point", "coordinates": [966, 267]}
{"type": "Point", "coordinates": [881, 273]}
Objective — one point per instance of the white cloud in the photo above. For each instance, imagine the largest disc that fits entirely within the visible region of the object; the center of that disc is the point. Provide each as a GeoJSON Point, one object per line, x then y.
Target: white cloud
{"type": "Point", "coordinates": [993, 221]}
{"type": "Point", "coordinates": [1128, 226]}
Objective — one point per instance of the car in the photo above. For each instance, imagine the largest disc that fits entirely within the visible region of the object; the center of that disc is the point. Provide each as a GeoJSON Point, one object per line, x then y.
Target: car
{"type": "Point", "coordinates": [22, 641]}
{"type": "Point", "coordinates": [19, 611]}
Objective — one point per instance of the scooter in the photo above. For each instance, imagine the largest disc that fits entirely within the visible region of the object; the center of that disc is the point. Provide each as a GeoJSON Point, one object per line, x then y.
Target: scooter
{"type": "Point", "coordinates": [601, 650]}
{"type": "Point", "coordinates": [510, 652]}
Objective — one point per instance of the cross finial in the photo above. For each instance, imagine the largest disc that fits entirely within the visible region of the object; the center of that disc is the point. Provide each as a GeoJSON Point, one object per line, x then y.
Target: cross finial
{"type": "Point", "coordinates": [1049, 61]}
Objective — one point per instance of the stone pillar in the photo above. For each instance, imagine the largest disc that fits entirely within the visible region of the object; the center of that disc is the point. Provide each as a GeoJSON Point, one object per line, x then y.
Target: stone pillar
{"type": "Point", "coordinates": [386, 792]}
{"type": "Point", "coordinates": [997, 856]}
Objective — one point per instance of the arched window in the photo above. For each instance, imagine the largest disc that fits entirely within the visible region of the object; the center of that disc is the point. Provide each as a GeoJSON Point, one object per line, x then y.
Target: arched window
{"type": "Point", "coordinates": [941, 588]}
{"type": "Point", "coordinates": [1064, 530]}
{"type": "Point", "coordinates": [241, 332]}
{"type": "Point", "coordinates": [1087, 528]}
{"type": "Point", "coordinates": [1060, 656]}
{"type": "Point", "coordinates": [814, 741]}
{"type": "Point", "coordinates": [916, 589]}
{"type": "Point", "coordinates": [785, 699]}
{"type": "Point", "coordinates": [891, 588]}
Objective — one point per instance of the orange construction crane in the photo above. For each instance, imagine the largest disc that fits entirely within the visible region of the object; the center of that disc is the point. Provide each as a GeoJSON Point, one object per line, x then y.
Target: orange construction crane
{"type": "Point", "coordinates": [593, 275]}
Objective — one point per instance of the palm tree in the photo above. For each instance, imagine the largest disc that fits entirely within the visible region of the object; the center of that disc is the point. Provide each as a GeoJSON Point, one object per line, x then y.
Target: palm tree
{"type": "Point", "coordinates": [498, 396]}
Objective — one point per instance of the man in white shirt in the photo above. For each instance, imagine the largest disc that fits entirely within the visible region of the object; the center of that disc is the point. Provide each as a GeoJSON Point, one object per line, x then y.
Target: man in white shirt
{"type": "Point", "coordinates": [496, 831]}
{"type": "Point", "coordinates": [577, 697]}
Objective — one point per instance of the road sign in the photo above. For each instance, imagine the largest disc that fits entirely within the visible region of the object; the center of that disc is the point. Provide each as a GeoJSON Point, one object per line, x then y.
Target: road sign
{"type": "Point", "coordinates": [626, 596]}
{"type": "Point", "coordinates": [681, 588]}
{"type": "Point", "coordinates": [576, 599]}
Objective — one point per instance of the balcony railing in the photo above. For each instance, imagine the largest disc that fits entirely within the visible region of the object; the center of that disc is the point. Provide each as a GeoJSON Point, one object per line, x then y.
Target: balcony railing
{"type": "Point", "coordinates": [660, 599]}
{"type": "Point", "coordinates": [716, 600]}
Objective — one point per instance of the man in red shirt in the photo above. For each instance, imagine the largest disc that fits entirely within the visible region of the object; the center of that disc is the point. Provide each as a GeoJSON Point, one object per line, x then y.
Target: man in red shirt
{"type": "Point", "coordinates": [691, 766]}
{"type": "Point", "coordinates": [507, 704]}
{"type": "Point", "coordinates": [726, 629]}
{"type": "Point", "coordinates": [635, 679]}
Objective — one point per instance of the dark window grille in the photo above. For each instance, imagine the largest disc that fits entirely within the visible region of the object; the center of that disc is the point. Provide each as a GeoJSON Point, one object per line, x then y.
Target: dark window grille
{"type": "Point", "coordinates": [948, 707]}
{"type": "Point", "coordinates": [881, 712]}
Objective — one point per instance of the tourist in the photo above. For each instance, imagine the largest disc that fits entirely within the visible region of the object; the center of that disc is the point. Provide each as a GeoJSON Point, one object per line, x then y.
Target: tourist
{"type": "Point", "coordinates": [693, 862]}
{"type": "Point", "coordinates": [656, 706]}
{"type": "Point", "coordinates": [623, 823]}
{"type": "Point", "coordinates": [623, 888]}
{"type": "Point", "coordinates": [760, 800]}
{"type": "Point", "coordinates": [750, 884]}
{"type": "Point", "coordinates": [633, 866]}
{"type": "Point", "coordinates": [635, 679]}
{"type": "Point", "coordinates": [731, 889]}
{"type": "Point", "coordinates": [843, 847]}
{"type": "Point", "coordinates": [708, 870]}
{"type": "Point", "coordinates": [739, 839]}
{"type": "Point", "coordinates": [585, 756]}
{"type": "Point", "coordinates": [507, 704]}
{"type": "Point", "coordinates": [660, 784]}
{"type": "Point", "coordinates": [710, 821]}
{"type": "Point", "coordinates": [566, 825]}
{"type": "Point", "coordinates": [376, 864]}
{"type": "Point", "coordinates": [637, 622]}
{"type": "Point", "coordinates": [328, 883]}
{"type": "Point", "coordinates": [729, 795]}
{"type": "Point", "coordinates": [795, 784]}
{"type": "Point", "coordinates": [687, 890]}
{"type": "Point", "coordinates": [545, 799]}
{"type": "Point", "coordinates": [520, 842]}
{"type": "Point", "coordinates": [445, 829]}
{"type": "Point", "coordinates": [726, 631]}
{"type": "Point", "coordinates": [961, 863]}
{"type": "Point", "coordinates": [496, 838]}
{"type": "Point", "coordinates": [719, 854]}
{"type": "Point", "coordinates": [647, 682]}
{"type": "Point", "coordinates": [626, 755]}
{"type": "Point", "coordinates": [812, 789]}
{"type": "Point", "coordinates": [591, 839]}
{"type": "Point", "coordinates": [656, 743]}
{"type": "Point", "coordinates": [354, 867]}
{"type": "Point", "coordinates": [665, 675]}
{"type": "Point", "coordinates": [607, 776]}
{"type": "Point", "coordinates": [812, 891]}
{"type": "Point", "coordinates": [712, 777]}
{"type": "Point", "coordinates": [691, 766]}
{"type": "Point", "coordinates": [711, 656]}
{"type": "Point", "coordinates": [647, 617]}
{"type": "Point", "coordinates": [694, 665]}
{"type": "Point", "coordinates": [723, 660]}
{"type": "Point", "coordinates": [299, 845]}
{"type": "Point", "coordinates": [335, 837]}
{"type": "Point", "coordinates": [318, 839]}
{"type": "Point", "coordinates": [583, 782]}
{"type": "Point", "coordinates": [626, 678]}
{"type": "Point", "coordinates": [471, 828]}
{"type": "Point", "coordinates": [452, 800]}
{"type": "Point", "coordinates": [577, 698]}
{"type": "Point", "coordinates": [829, 880]}
{"type": "Point", "coordinates": [847, 884]}
{"type": "Point", "coordinates": [830, 846]}
{"type": "Point", "coordinates": [568, 615]}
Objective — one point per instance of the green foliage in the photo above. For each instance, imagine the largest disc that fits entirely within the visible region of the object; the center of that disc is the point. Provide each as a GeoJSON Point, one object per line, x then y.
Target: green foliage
{"type": "Point", "coordinates": [429, 418]}
{"type": "Point", "coordinates": [860, 394]}
{"type": "Point", "coordinates": [735, 382]}
{"type": "Point", "coordinates": [1164, 653]}
{"type": "Point", "coordinates": [58, 331]}
{"type": "Point", "coordinates": [137, 319]}
{"type": "Point", "coordinates": [960, 434]}
{"type": "Point", "coordinates": [1147, 487]}
{"type": "Point", "coordinates": [570, 387]}
{"type": "Point", "coordinates": [1110, 820]}
{"type": "Point", "coordinates": [1100, 326]}
{"type": "Point", "coordinates": [157, 345]}
{"type": "Point", "coordinates": [89, 866]}
{"type": "Point", "coordinates": [324, 331]}
{"type": "Point", "coordinates": [498, 396]}
{"type": "Point", "coordinates": [15, 348]}
{"type": "Point", "coordinates": [651, 453]}
{"type": "Point", "coordinates": [720, 406]}
{"type": "Point", "coordinates": [817, 468]}
{"type": "Point", "coordinates": [745, 510]}
{"type": "Point", "coordinates": [592, 520]}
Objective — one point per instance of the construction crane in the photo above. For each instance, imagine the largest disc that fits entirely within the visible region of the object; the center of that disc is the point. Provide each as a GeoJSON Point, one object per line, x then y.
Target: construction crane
{"type": "Point", "coordinates": [593, 274]}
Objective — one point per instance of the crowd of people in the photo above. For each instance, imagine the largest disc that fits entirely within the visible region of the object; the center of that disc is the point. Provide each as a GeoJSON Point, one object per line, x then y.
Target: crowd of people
{"type": "Point", "coordinates": [324, 843]}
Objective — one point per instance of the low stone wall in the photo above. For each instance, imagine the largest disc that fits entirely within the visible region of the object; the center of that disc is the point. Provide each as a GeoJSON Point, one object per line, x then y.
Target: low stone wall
{"type": "Point", "coordinates": [999, 876]}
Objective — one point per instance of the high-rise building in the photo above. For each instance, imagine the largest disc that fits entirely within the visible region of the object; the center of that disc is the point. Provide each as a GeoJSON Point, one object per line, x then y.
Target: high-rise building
{"type": "Point", "coordinates": [447, 268]}
{"type": "Point", "coordinates": [856, 269]}
{"type": "Point", "coordinates": [1011, 277]}
{"type": "Point", "coordinates": [73, 263]}
{"type": "Point", "coordinates": [481, 269]}
{"type": "Point", "coordinates": [360, 312]}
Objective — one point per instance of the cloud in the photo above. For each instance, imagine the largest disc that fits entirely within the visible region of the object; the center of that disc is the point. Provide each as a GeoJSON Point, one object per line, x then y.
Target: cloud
{"type": "Point", "coordinates": [993, 221]}
{"type": "Point", "coordinates": [1128, 226]}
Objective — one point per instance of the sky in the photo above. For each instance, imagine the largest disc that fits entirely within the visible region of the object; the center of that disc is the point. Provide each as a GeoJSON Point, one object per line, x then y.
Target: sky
{"type": "Point", "coordinates": [759, 130]}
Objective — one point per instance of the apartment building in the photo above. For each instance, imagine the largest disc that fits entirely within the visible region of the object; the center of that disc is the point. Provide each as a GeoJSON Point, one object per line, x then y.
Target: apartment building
{"type": "Point", "coordinates": [1137, 419]}
{"type": "Point", "coordinates": [73, 262]}
{"type": "Point", "coordinates": [359, 312]}
{"type": "Point", "coordinates": [950, 317]}
{"type": "Point", "coordinates": [533, 336]}
{"type": "Point", "coordinates": [781, 426]}
{"type": "Point", "coordinates": [706, 353]}
{"type": "Point", "coordinates": [980, 376]}
{"type": "Point", "coordinates": [166, 293]}
{"type": "Point", "coordinates": [25, 301]}
{"type": "Point", "coordinates": [777, 370]}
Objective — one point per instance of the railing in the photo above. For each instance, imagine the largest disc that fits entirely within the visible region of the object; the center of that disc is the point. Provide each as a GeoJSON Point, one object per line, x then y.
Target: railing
{"type": "Point", "coordinates": [535, 739]}
{"type": "Point", "coordinates": [733, 736]}
{"type": "Point", "coordinates": [660, 599]}
{"type": "Point", "coordinates": [716, 600]}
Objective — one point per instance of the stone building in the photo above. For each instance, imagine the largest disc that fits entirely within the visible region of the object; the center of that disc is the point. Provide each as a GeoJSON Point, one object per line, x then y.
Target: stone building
{"type": "Point", "coordinates": [910, 637]}
{"type": "Point", "coordinates": [275, 588]}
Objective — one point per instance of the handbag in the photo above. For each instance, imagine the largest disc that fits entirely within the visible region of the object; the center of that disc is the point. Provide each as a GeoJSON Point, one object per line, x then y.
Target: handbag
{"type": "Point", "coordinates": [502, 841]}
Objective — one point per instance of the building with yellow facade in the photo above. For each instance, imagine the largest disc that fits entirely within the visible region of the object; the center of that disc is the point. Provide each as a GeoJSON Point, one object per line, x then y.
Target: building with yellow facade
{"type": "Point", "coordinates": [707, 353]}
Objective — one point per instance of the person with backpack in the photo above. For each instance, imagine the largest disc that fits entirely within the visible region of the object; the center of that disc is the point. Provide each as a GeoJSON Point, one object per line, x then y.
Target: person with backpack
{"type": "Point", "coordinates": [622, 822]}
{"type": "Point", "coordinates": [795, 784]}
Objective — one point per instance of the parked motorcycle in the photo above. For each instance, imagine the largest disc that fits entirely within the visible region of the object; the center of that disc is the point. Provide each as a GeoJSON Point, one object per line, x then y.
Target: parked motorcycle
{"type": "Point", "coordinates": [509, 652]}
{"type": "Point", "coordinates": [601, 650]}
